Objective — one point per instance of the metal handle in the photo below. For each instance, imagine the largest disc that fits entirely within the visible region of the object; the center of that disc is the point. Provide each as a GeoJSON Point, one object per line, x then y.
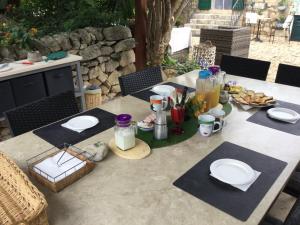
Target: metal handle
{"type": "Point", "coordinates": [58, 75]}
{"type": "Point", "coordinates": [28, 84]}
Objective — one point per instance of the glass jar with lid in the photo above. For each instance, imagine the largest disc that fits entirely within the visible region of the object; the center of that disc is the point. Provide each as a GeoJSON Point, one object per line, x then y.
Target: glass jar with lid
{"type": "Point", "coordinates": [124, 132]}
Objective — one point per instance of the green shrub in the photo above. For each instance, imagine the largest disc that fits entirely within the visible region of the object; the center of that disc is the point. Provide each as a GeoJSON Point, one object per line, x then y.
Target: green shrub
{"type": "Point", "coordinates": [12, 34]}
{"type": "Point", "coordinates": [181, 68]}
{"type": "Point", "coordinates": [64, 15]}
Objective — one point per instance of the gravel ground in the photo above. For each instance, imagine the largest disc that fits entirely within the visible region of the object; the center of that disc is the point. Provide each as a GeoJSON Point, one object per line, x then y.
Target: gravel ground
{"type": "Point", "coordinates": [281, 51]}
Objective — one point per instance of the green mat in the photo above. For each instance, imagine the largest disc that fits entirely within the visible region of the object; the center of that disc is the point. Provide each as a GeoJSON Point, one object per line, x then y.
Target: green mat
{"type": "Point", "coordinates": [190, 127]}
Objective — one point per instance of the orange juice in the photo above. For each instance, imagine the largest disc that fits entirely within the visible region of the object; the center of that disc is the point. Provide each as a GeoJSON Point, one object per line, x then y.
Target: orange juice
{"type": "Point", "coordinates": [208, 89]}
{"type": "Point", "coordinates": [211, 97]}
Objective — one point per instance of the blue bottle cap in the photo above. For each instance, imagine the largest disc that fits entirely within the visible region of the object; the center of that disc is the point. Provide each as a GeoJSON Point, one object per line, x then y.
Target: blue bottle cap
{"type": "Point", "coordinates": [203, 74]}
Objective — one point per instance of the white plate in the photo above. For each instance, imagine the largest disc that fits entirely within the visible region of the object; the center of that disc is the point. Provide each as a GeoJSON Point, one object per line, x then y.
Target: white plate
{"type": "Point", "coordinates": [82, 122]}
{"type": "Point", "coordinates": [163, 90]}
{"type": "Point", "coordinates": [6, 68]}
{"type": "Point", "coordinates": [283, 114]}
{"type": "Point", "coordinates": [146, 129]}
{"type": "Point", "coordinates": [232, 171]}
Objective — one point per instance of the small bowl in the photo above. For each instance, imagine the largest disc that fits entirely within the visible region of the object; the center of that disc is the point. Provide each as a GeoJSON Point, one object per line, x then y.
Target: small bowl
{"type": "Point", "coordinates": [145, 128]}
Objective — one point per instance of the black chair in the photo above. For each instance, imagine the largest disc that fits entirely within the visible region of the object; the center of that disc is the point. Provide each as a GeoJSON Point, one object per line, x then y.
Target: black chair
{"type": "Point", "coordinates": [244, 67]}
{"type": "Point", "coordinates": [293, 185]}
{"type": "Point", "coordinates": [42, 112]}
{"type": "Point", "coordinates": [140, 80]}
{"type": "Point", "coordinates": [289, 75]}
{"type": "Point", "coordinates": [292, 219]}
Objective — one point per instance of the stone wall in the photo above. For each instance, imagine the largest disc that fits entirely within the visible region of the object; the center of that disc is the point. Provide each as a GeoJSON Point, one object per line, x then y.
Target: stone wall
{"type": "Point", "coordinates": [107, 54]}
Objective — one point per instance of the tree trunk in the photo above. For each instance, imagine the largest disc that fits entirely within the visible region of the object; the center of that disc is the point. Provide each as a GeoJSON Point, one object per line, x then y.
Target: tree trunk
{"type": "Point", "coordinates": [140, 33]}
{"type": "Point", "coordinates": [162, 15]}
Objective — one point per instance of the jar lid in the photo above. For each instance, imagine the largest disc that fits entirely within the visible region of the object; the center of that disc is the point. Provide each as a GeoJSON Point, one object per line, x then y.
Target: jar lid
{"type": "Point", "coordinates": [203, 74]}
{"type": "Point", "coordinates": [214, 69]}
{"type": "Point", "coordinates": [123, 119]}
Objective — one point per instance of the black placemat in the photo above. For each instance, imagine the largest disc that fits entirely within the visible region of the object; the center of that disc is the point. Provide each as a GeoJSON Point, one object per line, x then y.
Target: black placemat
{"type": "Point", "coordinates": [261, 118]}
{"type": "Point", "coordinates": [57, 135]}
{"type": "Point", "coordinates": [145, 94]}
{"type": "Point", "coordinates": [233, 201]}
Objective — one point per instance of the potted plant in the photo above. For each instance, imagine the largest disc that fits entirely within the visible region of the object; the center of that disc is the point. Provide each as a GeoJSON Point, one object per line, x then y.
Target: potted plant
{"type": "Point", "coordinates": [93, 97]}
{"type": "Point", "coordinates": [280, 21]}
{"type": "Point", "coordinates": [282, 5]}
{"type": "Point", "coordinates": [16, 37]}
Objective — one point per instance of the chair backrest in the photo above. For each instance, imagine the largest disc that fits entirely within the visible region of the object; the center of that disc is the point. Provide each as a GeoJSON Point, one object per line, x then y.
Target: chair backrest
{"type": "Point", "coordinates": [289, 75]}
{"type": "Point", "coordinates": [42, 112]}
{"type": "Point", "coordinates": [139, 80]}
{"type": "Point", "coordinates": [294, 216]}
{"type": "Point", "coordinates": [244, 67]}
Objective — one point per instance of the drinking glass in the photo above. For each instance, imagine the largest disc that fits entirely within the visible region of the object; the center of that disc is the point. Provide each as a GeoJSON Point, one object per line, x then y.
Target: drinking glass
{"type": "Point", "coordinates": [177, 115]}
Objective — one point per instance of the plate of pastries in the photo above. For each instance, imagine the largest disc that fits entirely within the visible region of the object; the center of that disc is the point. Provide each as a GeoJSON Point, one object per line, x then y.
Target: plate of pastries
{"type": "Point", "coordinates": [254, 99]}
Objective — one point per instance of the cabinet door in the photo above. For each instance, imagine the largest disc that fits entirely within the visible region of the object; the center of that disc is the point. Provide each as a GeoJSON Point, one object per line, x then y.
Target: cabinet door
{"type": "Point", "coordinates": [28, 89]}
{"type": "Point", "coordinates": [6, 97]}
{"type": "Point", "coordinates": [59, 80]}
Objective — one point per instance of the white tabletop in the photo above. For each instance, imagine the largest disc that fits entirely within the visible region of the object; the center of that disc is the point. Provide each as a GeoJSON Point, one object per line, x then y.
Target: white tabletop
{"type": "Point", "coordinates": [19, 69]}
{"type": "Point", "coordinates": [140, 192]}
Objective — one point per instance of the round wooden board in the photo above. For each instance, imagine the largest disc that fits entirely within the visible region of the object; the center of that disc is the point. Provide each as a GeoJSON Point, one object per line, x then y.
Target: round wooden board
{"type": "Point", "coordinates": [140, 151]}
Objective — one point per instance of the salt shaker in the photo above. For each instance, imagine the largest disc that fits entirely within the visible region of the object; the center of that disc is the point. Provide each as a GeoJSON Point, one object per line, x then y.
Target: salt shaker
{"type": "Point", "coordinates": [124, 132]}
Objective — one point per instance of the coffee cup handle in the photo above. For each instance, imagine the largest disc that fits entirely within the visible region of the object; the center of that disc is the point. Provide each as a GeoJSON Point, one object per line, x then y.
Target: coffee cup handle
{"type": "Point", "coordinates": [219, 126]}
{"type": "Point", "coordinates": [165, 104]}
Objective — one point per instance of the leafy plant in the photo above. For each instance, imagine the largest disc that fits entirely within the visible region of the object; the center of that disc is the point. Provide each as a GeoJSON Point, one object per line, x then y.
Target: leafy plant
{"type": "Point", "coordinates": [14, 35]}
{"type": "Point", "coordinates": [283, 2]}
{"type": "Point", "coordinates": [65, 15]}
{"type": "Point", "coordinates": [281, 18]}
{"type": "Point", "coordinates": [186, 67]}
{"type": "Point", "coordinates": [181, 68]}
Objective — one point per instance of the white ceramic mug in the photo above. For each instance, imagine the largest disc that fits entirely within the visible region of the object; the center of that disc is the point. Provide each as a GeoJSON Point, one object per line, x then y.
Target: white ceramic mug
{"type": "Point", "coordinates": [219, 114]}
{"type": "Point", "coordinates": [208, 125]}
{"type": "Point", "coordinates": [158, 102]}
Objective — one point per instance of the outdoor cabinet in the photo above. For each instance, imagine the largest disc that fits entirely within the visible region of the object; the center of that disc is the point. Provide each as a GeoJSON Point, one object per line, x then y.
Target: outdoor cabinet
{"type": "Point", "coordinates": [59, 80]}
{"type": "Point", "coordinates": [6, 97]}
{"type": "Point", "coordinates": [28, 89]}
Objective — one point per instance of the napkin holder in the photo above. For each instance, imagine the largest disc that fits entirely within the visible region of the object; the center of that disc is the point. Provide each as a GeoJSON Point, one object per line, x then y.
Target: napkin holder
{"type": "Point", "coordinates": [55, 185]}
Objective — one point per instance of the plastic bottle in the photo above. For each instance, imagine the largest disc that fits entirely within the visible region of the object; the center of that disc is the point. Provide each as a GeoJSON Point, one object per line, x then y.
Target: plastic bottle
{"type": "Point", "coordinates": [203, 87]}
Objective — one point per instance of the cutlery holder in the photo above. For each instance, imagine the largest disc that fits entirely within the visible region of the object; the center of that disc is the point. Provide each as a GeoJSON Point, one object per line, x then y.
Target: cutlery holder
{"type": "Point", "coordinates": [65, 178]}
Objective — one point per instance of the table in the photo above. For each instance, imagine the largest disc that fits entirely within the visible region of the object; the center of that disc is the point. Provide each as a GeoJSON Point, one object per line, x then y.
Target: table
{"type": "Point", "coordinates": [260, 20]}
{"type": "Point", "coordinates": [140, 192]}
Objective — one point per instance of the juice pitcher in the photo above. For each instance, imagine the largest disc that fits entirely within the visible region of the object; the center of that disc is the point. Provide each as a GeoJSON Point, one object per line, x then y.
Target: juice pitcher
{"type": "Point", "coordinates": [208, 89]}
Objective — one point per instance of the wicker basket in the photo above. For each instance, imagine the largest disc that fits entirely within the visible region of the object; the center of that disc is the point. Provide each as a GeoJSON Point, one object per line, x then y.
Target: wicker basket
{"type": "Point", "coordinates": [93, 98]}
{"type": "Point", "coordinates": [205, 54]}
{"type": "Point", "coordinates": [20, 201]}
{"type": "Point", "coordinates": [68, 180]}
